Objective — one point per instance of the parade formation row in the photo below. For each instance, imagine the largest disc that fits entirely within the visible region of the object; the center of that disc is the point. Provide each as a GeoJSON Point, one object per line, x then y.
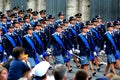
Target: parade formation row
{"type": "Point", "coordinates": [63, 39]}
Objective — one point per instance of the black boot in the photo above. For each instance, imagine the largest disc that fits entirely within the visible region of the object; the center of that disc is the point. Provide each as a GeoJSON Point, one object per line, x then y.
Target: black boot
{"type": "Point", "coordinates": [93, 73]}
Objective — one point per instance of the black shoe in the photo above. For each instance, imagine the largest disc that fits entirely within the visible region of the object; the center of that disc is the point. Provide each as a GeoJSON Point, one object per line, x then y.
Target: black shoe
{"type": "Point", "coordinates": [74, 61]}
{"type": "Point", "coordinates": [90, 78]}
{"type": "Point", "coordinates": [93, 69]}
{"type": "Point", "coordinates": [111, 71]}
{"type": "Point", "coordinates": [54, 62]}
{"type": "Point", "coordinates": [98, 69]}
{"type": "Point", "coordinates": [78, 66]}
{"type": "Point", "coordinates": [70, 70]}
{"type": "Point", "coordinates": [100, 64]}
{"type": "Point", "coordinates": [93, 73]}
{"type": "Point", "coordinates": [104, 74]}
{"type": "Point", "coordinates": [94, 63]}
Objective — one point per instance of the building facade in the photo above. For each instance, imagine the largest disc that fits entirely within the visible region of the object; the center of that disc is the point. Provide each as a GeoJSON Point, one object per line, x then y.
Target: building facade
{"type": "Point", "coordinates": [108, 9]}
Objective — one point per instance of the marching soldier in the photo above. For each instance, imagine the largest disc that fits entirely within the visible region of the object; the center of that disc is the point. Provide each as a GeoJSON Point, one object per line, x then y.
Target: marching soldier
{"type": "Point", "coordinates": [29, 11]}
{"type": "Point", "coordinates": [100, 22]}
{"type": "Point", "coordinates": [27, 19]}
{"type": "Point", "coordinates": [58, 45]}
{"type": "Point", "coordinates": [10, 40]}
{"type": "Point", "coordinates": [39, 42]}
{"type": "Point", "coordinates": [43, 33]}
{"type": "Point", "coordinates": [92, 56]}
{"type": "Point", "coordinates": [66, 33]}
{"type": "Point", "coordinates": [21, 14]}
{"type": "Point", "coordinates": [29, 46]}
{"type": "Point", "coordinates": [100, 28]}
{"type": "Point", "coordinates": [60, 17]}
{"type": "Point", "coordinates": [110, 49]}
{"type": "Point", "coordinates": [13, 17]}
{"type": "Point", "coordinates": [49, 30]}
{"type": "Point", "coordinates": [18, 29]}
{"type": "Point", "coordinates": [16, 9]}
{"type": "Point", "coordinates": [46, 20]}
{"type": "Point", "coordinates": [73, 37]}
{"type": "Point", "coordinates": [116, 39]}
{"type": "Point", "coordinates": [96, 39]}
{"type": "Point", "coordinates": [95, 33]}
{"type": "Point", "coordinates": [50, 27]}
{"type": "Point", "coordinates": [2, 55]}
{"type": "Point", "coordinates": [85, 49]}
{"type": "Point", "coordinates": [21, 21]}
{"type": "Point", "coordinates": [78, 22]}
{"type": "Point", "coordinates": [3, 24]}
{"type": "Point", "coordinates": [67, 43]}
{"type": "Point", "coordinates": [8, 13]}
{"type": "Point", "coordinates": [34, 20]}
{"type": "Point", "coordinates": [42, 14]}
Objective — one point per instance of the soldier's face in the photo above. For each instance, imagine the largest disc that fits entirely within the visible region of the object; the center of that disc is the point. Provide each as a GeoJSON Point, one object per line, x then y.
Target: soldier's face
{"type": "Point", "coordinates": [61, 17]}
{"type": "Point", "coordinates": [4, 19]}
{"type": "Point", "coordinates": [10, 30]}
{"type": "Point", "coordinates": [59, 29]}
{"type": "Point", "coordinates": [47, 22]}
{"type": "Point", "coordinates": [12, 18]}
{"type": "Point", "coordinates": [30, 31]}
{"type": "Point", "coordinates": [21, 23]}
{"type": "Point", "coordinates": [15, 11]}
{"type": "Point", "coordinates": [99, 20]}
{"type": "Point", "coordinates": [89, 26]}
{"type": "Point", "coordinates": [117, 27]}
{"type": "Point", "coordinates": [27, 20]}
{"type": "Point", "coordinates": [52, 20]}
{"type": "Point", "coordinates": [42, 15]}
{"type": "Point", "coordinates": [72, 22]}
{"type": "Point", "coordinates": [17, 25]}
{"type": "Point", "coordinates": [8, 14]}
{"type": "Point", "coordinates": [78, 19]}
{"type": "Point", "coordinates": [38, 27]}
{"type": "Point", "coordinates": [110, 29]}
{"type": "Point", "coordinates": [43, 25]}
{"type": "Point", "coordinates": [21, 15]}
{"type": "Point", "coordinates": [84, 30]}
{"type": "Point", "coordinates": [66, 24]}
{"type": "Point", "coordinates": [95, 23]}
{"type": "Point", "coordinates": [34, 17]}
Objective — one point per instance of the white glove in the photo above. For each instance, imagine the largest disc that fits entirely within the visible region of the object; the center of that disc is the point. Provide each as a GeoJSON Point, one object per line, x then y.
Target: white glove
{"type": "Point", "coordinates": [48, 53]}
{"type": "Point", "coordinates": [104, 46]}
{"type": "Point", "coordinates": [73, 49]}
{"type": "Point", "coordinates": [102, 52]}
{"type": "Point", "coordinates": [10, 57]}
{"type": "Point", "coordinates": [41, 56]}
{"type": "Point", "coordinates": [70, 51]}
{"type": "Point", "coordinates": [5, 53]}
{"type": "Point", "coordinates": [77, 51]}
{"type": "Point", "coordinates": [49, 50]}
{"type": "Point", "coordinates": [94, 53]}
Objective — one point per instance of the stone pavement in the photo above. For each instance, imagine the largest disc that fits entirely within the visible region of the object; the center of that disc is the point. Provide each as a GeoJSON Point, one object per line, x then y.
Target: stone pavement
{"type": "Point", "coordinates": [100, 73]}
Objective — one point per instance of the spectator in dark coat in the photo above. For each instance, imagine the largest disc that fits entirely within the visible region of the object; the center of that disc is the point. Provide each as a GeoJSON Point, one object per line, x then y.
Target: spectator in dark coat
{"type": "Point", "coordinates": [17, 67]}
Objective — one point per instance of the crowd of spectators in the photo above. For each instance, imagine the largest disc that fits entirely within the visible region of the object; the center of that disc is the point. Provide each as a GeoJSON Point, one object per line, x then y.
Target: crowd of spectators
{"type": "Point", "coordinates": [19, 70]}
